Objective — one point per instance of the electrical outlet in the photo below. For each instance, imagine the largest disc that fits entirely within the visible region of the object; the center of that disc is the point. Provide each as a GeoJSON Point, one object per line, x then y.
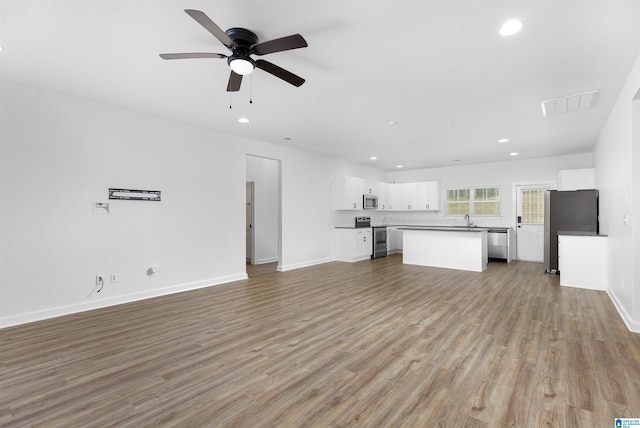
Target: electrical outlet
{"type": "Point", "coordinates": [113, 277]}
{"type": "Point", "coordinates": [100, 208]}
{"type": "Point", "coordinates": [99, 279]}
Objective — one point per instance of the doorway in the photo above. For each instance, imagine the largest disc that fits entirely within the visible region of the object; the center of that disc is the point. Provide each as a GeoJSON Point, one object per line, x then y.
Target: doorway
{"type": "Point", "coordinates": [530, 221]}
{"type": "Point", "coordinates": [249, 222]}
{"type": "Point", "coordinates": [263, 215]}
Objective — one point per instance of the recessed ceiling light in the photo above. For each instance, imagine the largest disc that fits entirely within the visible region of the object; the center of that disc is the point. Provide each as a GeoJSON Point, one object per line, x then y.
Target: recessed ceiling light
{"type": "Point", "coordinates": [503, 140]}
{"type": "Point", "coordinates": [513, 154]}
{"type": "Point", "coordinates": [510, 27]}
{"type": "Point", "coordinates": [243, 120]}
{"type": "Point", "coordinates": [399, 166]}
{"type": "Point", "coordinates": [392, 122]}
{"type": "Point", "coordinates": [1, 48]}
{"type": "Point", "coordinates": [373, 157]}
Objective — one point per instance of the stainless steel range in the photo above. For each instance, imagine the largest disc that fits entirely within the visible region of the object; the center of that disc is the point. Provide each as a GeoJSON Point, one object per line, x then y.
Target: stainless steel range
{"type": "Point", "coordinates": [363, 221]}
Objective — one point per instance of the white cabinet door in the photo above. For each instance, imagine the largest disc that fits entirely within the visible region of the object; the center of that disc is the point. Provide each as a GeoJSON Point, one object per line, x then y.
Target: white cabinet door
{"type": "Point", "coordinates": [433, 192]}
{"type": "Point", "coordinates": [370, 187]}
{"type": "Point", "coordinates": [347, 193]}
{"type": "Point", "coordinates": [395, 197]}
{"type": "Point", "coordinates": [428, 196]}
{"type": "Point", "coordinates": [410, 199]}
{"type": "Point", "coordinates": [421, 196]}
{"type": "Point", "coordinates": [383, 197]}
{"type": "Point", "coordinates": [353, 245]}
{"type": "Point", "coordinates": [364, 246]}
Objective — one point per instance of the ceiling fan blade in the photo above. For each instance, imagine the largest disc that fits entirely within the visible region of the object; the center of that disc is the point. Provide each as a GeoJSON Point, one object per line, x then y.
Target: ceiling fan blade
{"type": "Point", "coordinates": [285, 75]}
{"type": "Point", "coordinates": [235, 80]}
{"type": "Point", "coordinates": [294, 41]}
{"type": "Point", "coordinates": [191, 55]}
{"type": "Point", "coordinates": [210, 26]}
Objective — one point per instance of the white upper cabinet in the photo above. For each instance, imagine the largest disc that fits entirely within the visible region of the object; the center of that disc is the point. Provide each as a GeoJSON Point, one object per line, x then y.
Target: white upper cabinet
{"type": "Point", "coordinates": [576, 179]}
{"type": "Point", "coordinates": [371, 187]}
{"type": "Point", "coordinates": [395, 197]}
{"type": "Point", "coordinates": [383, 196]}
{"type": "Point", "coordinates": [429, 195]}
{"type": "Point", "coordinates": [347, 193]}
{"type": "Point", "coordinates": [422, 196]}
{"type": "Point", "coordinates": [410, 197]}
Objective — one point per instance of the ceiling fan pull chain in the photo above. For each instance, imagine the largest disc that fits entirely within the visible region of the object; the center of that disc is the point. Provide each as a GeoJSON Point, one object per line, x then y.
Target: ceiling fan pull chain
{"type": "Point", "coordinates": [251, 89]}
{"type": "Point", "coordinates": [230, 101]}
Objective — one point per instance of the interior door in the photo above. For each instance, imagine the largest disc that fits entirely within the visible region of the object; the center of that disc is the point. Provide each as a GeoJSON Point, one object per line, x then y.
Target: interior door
{"type": "Point", "coordinates": [530, 222]}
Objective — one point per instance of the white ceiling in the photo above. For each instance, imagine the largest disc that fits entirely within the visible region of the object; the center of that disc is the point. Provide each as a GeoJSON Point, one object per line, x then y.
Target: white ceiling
{"type": "Point", "coordinates": [437, 68]}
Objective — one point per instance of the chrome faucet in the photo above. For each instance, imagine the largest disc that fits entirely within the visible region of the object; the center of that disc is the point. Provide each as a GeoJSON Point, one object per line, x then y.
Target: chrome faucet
{"type": "Point", "coordinates": [466, 216]}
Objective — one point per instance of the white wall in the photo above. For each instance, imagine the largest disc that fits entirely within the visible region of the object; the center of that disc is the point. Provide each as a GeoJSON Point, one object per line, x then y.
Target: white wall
{"type": "Point", "coordinates": [59, 154]}
{"type": "Point", "coordinates": [264, 173]}
{"type": "Point", "coordinates": [502, 174]}
{"type": "Point", "coordinates": [617, 163]}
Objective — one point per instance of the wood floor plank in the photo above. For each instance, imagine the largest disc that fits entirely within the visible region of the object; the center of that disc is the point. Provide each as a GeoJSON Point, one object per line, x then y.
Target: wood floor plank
{"type": "Point", "coordinates": [374, 343]}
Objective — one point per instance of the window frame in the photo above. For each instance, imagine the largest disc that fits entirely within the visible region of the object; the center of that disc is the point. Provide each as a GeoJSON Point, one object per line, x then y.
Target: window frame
{"type": "Point", "coordinates": [472, 201]}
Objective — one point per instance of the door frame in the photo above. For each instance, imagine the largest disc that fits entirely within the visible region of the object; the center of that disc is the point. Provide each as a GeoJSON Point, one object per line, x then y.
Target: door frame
{"type": "Point", "coordinates": [279, 206]}
{"type": "Point", "coordinates": [250, 186]}
{"type": "Point", "coordinates": [553, 185]}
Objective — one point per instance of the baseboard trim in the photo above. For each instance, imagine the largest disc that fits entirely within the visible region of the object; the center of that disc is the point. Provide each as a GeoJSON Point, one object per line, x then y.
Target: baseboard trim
{"type": "Point", "coordinates": [628, 321]}
{"type": "Point", "coordinates": [30, 317]}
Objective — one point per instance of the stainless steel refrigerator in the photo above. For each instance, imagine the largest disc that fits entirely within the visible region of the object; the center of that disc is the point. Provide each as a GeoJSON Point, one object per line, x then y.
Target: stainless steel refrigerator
{"type": "Point", "coordinates": [567, 211]}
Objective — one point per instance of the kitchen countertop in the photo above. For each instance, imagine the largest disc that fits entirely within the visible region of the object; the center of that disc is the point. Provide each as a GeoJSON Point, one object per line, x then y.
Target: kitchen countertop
{"type": "Point", "coordinates": [445, 228]}
{"type": "Point", "coordinates": [433, 227]}
{"type": "Point", "coordinates": [578, 233]}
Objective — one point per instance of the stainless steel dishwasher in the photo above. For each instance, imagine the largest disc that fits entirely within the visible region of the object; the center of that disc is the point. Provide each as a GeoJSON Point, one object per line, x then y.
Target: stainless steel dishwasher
{"type": "Point", "coordinates": [498, 244]}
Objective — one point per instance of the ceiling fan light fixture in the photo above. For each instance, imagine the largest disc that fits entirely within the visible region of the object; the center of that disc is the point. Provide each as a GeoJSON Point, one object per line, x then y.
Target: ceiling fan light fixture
{"type": "Point", "coordinates": [241, 65]}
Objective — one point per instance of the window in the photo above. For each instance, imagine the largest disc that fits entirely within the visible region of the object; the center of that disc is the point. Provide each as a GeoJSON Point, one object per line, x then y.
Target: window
{"type": "Point", "coordinates": [458, 201]}
{"type": "Point", "coordinates": [533, 206]}
{"type": "Point", "coordinates": [481, 201]}
{"type": "Point", "coordinates": [486, 201]}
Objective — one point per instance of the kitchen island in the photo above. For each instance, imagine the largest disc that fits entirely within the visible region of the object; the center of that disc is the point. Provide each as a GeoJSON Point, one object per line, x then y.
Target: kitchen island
{"type": "Point", "coordinates": [463, 248]}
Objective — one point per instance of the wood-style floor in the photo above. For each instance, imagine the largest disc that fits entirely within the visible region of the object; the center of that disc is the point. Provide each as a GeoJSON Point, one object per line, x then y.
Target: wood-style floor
{"type": "Point", "coordinates": [375, 344]}
{"type": "Point", "coordinates": [261, 269]}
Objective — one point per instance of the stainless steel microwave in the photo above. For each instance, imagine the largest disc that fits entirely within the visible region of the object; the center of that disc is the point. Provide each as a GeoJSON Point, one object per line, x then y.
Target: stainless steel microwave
{"type": "Point", "coordinates": [370, 202]}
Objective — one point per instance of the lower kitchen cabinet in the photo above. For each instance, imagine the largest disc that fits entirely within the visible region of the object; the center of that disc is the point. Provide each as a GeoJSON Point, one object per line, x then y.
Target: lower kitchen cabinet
{"type": "Point", "coordinates": [394, 240]}
{"type": "Point", "coordinates": [353, 245]}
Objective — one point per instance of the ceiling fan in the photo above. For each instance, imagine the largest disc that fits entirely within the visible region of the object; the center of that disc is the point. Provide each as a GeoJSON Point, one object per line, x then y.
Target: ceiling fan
{"type": "Point", "coordinates": [243, 43]}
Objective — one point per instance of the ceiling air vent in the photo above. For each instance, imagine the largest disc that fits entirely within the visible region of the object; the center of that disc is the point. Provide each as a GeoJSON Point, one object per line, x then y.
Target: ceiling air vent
{"type": "Point", "coordinates": [569, 103]}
